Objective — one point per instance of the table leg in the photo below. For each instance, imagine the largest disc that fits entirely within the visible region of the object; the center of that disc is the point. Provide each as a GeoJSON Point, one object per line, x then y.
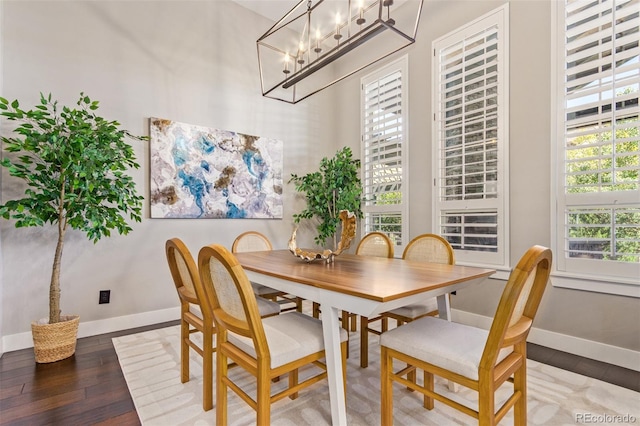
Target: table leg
{"type": "Point", "coordinates": [444, 312]}
{"type": "Point", "coordinates": [444, 307]}
{"type": "Point", "coordinates": [331, 332]}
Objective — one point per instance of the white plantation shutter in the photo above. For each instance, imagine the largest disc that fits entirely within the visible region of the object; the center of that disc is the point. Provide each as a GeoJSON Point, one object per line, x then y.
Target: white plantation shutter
{"type": "Point", "coordinates": [384, 145]}
{"type": "Point", "coordinates": [468, 117]}
{"type": "Point", "coordinates": [470, 131]}
{"type": "Point", "coordinates": [598, 189]}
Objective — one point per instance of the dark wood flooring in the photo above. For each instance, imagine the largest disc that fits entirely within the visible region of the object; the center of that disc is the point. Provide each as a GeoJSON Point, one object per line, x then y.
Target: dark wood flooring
{"type": "Point", "coordinates": [89, 388]}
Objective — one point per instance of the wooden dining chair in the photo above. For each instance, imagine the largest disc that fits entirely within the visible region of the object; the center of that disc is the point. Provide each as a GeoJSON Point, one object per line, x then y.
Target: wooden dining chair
{"type": "Point", "coordinates": [196, 315]}
{"type": "Point", "coordinates": [374, 244]}
{"type": "Point", "coordinates": [478, 359]}
{"type": "Point", "coordinates": [267, 348]}
{"type": "Point", "coordinates": [423, 248]}
{"type": "Point", "coordinates": [256, 241]}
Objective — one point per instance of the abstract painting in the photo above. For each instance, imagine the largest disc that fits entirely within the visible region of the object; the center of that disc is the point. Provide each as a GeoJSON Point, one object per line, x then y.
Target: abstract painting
{"type": "Point", "coordinates": [200, 172]}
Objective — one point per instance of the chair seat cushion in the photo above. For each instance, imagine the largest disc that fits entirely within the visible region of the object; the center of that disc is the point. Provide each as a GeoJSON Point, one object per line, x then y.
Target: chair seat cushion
{"type": "Point", "coordinates": [452, 346]}
{"type": "Point", "coordinates": [267, 307]}
{"type": "Point", "coordinates": [417, 309]}
{"type": "Point", "coordinates": [290, 336]}
{"type": "Point", "coordinates": [263, 290]}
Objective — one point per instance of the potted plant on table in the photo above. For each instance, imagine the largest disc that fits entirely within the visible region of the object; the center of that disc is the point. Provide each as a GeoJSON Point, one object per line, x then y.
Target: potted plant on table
{"type": "Point", "coordinates": [74, 164]}
{"type": "Point", "coordinates": [336, 186]}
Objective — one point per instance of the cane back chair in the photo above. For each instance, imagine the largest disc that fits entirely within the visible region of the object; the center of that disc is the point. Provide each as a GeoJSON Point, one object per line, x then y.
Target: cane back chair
{"type": "Point", "coordinates": [196, 315]}
{"type": "Point", "coordinates": [476, 358]}
{"type": "Point", "coordinates": [267, 348]}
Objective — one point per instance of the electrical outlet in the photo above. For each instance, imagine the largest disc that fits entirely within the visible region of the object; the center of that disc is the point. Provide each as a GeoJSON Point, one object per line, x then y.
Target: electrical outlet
{"type": "Point", "coordinates": [105, 295]}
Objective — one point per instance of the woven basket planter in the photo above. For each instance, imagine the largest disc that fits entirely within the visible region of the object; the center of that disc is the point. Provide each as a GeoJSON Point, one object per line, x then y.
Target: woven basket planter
{"type": "Point", "coordinates": [54, 342]}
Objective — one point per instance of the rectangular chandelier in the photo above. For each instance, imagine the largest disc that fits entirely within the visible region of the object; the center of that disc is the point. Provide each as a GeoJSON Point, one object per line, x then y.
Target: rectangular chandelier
{"type": "Point", "coordinates": [318, 43]}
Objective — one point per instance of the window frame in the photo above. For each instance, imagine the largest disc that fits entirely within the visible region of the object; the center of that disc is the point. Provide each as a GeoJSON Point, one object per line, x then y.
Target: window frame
{"type": "Point", "coordinates": [399, 65]}
{"type": "Point", "coordinates": [498, 260]}
{"type": "Point", "coordinates": [592, 275]}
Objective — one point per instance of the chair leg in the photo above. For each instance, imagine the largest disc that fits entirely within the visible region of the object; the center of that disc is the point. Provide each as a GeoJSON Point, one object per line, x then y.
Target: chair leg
{"type": "Point", "coordinates": [316, 310]}
{"type": "Point", "coordinates": [343, 352]}
{"type": "Point", "coordinates": [263, 397]}
{"type": "Point", "coordinates": [184, 351]}
{"type": "Point", "coordinates": [428, 384]}
{"type": "Point", "coordinates": [385, 324]}
{"type": "Point", "coordinates": [221, 388]}
{"type": "Point", "coordinates": [486, 405]}
{"type": "Point", "coordinates": [386, 391]}
{"type": "Point", "coordinates": [520, 385]}
{"type": "Point", "coordinates": [364, 342]}
{"type": "Point", "coordinates": [354, 322]}
{"type": "Point", "coordinates": [344, 320]}
{"type": "Point", "coordinates": [207, 368]}
{"type": "Point", "coordinates": [293, 381]}
{"type": "Point", "coordinates": [298, 304]}
{"type": "Point", "coordinates": [412, 377]}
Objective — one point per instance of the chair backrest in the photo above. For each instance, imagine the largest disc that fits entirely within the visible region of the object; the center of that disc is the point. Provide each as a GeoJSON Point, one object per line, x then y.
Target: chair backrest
{"type": "Point", "coordinates": [231, 296]}
{"type": "Point", "coordinates": [251, 241]}
{"type": "Point", "coordinates": [429, 248]}
{"type": "Point", "coordinates": [375, 244]}
{"type": "Point", "coordinates": [518, 305]}
{"type": "Point", "coordinates": [185, 275]}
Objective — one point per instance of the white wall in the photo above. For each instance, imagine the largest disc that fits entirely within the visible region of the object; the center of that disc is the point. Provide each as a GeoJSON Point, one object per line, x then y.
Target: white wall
{"type": "Point", "coordinates": [193, 62]}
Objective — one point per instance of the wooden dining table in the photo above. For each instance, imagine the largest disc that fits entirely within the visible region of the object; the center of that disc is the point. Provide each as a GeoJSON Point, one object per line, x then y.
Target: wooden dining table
{"type": "Point", "coordinates": [362, 285]}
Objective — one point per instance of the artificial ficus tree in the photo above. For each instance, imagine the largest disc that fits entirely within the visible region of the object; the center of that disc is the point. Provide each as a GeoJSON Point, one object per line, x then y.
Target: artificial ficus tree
{"type": "Point", "coordinates": [74, 164]}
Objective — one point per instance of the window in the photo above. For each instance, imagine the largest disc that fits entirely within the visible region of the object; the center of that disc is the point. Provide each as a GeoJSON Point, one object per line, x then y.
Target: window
{"type": "Point", "coordinates": [384, 112]}
{"type": "Point", "coordinates": [597, 185]}
{"type": "Point", "coordinates": [470, 139]}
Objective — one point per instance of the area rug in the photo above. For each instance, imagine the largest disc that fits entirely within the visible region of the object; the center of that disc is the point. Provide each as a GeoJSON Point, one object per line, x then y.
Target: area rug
{"type": "Point", "coordinates": [150, 362]}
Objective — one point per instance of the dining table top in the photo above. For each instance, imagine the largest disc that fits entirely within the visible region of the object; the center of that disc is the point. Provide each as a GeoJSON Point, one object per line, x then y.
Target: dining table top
{"type": "Point", "coordinates": [374, 278]}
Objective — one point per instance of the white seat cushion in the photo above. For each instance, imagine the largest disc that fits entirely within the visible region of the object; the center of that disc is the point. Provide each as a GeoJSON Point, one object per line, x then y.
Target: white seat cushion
{"type": "Point", "coordinates": [267, 307]}
{"type": "Point", "coordinates": [262, 290]}
{"type": "Point", "coordinates": [455, 347]}
{"type": "Point", "coordinates": [417, 309]}
{"type": "Point", "coordinates": [290, 337]}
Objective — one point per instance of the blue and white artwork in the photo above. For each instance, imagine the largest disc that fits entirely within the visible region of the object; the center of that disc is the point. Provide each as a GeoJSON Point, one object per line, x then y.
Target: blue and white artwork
{"type": "Point", "coordinates": [200, 172]}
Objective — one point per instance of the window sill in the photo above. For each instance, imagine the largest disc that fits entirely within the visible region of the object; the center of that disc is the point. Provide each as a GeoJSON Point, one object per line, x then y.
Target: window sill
{"type": "Point", "coordinates": [613, 286]}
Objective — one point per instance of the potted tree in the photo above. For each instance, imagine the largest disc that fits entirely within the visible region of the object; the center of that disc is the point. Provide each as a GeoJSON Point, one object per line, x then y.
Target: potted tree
{"type": "Point", "coordinates": [336, 186]}
{"type": "Point", "coordinates": [74, 165]}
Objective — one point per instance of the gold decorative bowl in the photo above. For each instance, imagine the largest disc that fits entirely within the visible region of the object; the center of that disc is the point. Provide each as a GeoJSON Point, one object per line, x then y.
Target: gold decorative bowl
{"type": "Point", "coordinates": [348, 220]}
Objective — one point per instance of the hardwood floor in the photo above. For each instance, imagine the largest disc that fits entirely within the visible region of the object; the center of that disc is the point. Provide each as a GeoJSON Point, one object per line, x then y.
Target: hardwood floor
{"type": "Point", "coordinates": [89, 387]}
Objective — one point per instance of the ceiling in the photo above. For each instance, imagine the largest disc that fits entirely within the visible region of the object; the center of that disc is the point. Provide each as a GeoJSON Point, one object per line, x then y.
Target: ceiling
{"type": "Point", "coordinates": [272, 9]}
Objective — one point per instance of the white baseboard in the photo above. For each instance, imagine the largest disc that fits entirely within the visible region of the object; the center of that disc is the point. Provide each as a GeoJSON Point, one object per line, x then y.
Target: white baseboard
{"type": "Point", "coordinates": [575, 345]}
{"type": "Point", "coordinates": [19, 341]}
{"type": "Point", "coordinates": [587, 348]}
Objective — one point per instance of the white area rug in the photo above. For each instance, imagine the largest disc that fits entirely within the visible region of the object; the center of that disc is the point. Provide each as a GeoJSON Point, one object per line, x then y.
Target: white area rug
{"type": "Point", "coordinates": [151, 365]}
